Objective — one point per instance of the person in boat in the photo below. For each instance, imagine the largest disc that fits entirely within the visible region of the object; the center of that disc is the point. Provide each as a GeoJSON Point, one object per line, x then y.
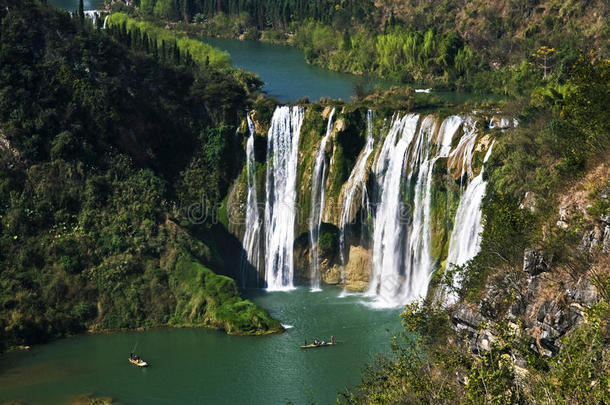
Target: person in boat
{"type": "Point", "coordinates": [332, 340]}
{"type": "Point", "coordinates": [316, 342]}
{"type": "Point", "coordinates": [323, 343]}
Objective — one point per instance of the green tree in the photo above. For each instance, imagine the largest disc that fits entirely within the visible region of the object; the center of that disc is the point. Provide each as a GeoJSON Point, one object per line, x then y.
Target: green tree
{"type": "Point", "coordinates": [147, 7]}
{"type": "Point", "coordinates": [166, 9]}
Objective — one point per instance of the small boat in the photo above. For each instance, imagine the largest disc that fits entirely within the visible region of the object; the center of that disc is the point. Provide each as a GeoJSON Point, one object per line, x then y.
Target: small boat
{"type": "Point", "coordinates": [138, 362]}
{"type": "Point", "coordinates": [313, 346]}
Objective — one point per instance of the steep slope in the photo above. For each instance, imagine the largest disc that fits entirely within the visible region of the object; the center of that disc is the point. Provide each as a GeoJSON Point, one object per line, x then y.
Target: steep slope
{"type": "Point", "coordinates": [101, 146]}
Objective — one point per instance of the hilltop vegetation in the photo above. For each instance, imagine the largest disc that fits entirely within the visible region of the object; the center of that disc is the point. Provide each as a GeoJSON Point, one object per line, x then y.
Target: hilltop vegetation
{"type": "Point", "coordinates": [451, 44]}
{"type": "Point", "coordinates": [101, 145]}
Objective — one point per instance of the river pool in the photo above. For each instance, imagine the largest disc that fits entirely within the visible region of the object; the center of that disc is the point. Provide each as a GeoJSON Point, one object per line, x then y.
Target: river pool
{"type": "Point", "coordinates": [196, 366]}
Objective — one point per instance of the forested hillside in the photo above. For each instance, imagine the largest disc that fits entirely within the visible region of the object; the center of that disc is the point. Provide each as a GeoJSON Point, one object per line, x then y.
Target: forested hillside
{"type": "Point", "coordinates": [500, 48]}
{"type": "Point", "coordinates": [101, 147]}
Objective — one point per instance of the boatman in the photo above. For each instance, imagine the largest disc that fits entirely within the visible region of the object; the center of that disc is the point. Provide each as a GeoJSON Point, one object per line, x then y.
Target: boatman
{"type": "Point", "coordinates": [332, 340]}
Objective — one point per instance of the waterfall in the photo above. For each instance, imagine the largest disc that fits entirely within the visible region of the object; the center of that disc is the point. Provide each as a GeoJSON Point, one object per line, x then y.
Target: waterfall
{"type": "Point", "coordinates": [461, 157]}
{"type": "Point", "coordinates": [355, 184]}
{"type": "Point", "coordinates": [92, 15]}
{"type": "Point", "coordinates": [318, 183]}
{"type": "Point", "coordinates": [388, 235]}
{"type": "Point", "coordinates": [402, 257]}
{"type": "Point", "coordinates": [251, 240]}
{"type": "Point", "coordinates": [418, 261]}
{"type": "Point", "coordinates": [280, 190]}
{"type": "Point", "coordinates": [465, 241]}
{"type": "Point", "coordinates": [105, 19]}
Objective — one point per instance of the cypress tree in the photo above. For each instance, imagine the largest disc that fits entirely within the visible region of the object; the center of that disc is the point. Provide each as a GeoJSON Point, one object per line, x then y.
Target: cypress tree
{"type": "Point", "coordinates": [176, 54]}
{"type": "Point", "coordinates": [81, 11]}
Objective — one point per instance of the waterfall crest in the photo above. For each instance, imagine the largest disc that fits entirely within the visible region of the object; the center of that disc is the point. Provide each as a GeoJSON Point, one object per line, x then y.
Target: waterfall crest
{"type": "Point", "coordinates": [280, 190]}
{"type": "Point", "coordinates": [252, 235]}
{"type": "Point", "coordinates": [318, 189]}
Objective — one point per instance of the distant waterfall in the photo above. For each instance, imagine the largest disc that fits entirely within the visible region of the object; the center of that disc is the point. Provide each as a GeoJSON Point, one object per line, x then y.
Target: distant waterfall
{"type": "Point", "coordinates": [280, 207]}
{"type": "Point", "coordinates": [465, 241]}
{"type": "Point", "coordinates": [252, 235]}
{"type": "Point", "coordinates": [355, 184]}
{"type": "Point", "coordinates": [318, 185]}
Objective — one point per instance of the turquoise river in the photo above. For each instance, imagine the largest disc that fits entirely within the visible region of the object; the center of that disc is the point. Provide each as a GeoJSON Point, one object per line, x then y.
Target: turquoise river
{"type": "Point", "coordinates": [199, 366]}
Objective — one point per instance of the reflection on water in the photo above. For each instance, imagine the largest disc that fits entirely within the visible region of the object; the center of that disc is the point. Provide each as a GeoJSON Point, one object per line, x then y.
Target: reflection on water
{"type": "Point", "coordinates": [285, 72]}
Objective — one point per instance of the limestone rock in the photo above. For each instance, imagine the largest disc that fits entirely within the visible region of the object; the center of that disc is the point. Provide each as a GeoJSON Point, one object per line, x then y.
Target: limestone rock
{"type": "Point", "coordinates": [332, 276]}
{"type": "Point", "coordinates": [592, 239]}
{"type": "Point", "coordinates": [533, 262]}
{"type": "Point", "coordinates": [358, 269]}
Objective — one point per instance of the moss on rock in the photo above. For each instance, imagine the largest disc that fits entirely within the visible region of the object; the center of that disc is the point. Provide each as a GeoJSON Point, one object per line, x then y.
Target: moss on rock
{"type": "Point", "coordinates": [204, 298]}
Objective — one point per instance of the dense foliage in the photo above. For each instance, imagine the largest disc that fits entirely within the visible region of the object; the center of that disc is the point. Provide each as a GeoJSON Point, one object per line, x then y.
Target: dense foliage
{"type": "Point", "coordinates": [565, 133]}
{"type": "Point", "coordinates": [459, 44]}
{"type": "Point", "coordinates": [101, 146]}
{"type": "Point", "coordinates": [429, 366]}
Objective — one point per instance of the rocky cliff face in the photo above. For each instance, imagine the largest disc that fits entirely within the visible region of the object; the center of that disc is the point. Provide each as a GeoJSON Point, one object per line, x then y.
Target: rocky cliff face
{"type": "Point", "coordinates": [542, 301]}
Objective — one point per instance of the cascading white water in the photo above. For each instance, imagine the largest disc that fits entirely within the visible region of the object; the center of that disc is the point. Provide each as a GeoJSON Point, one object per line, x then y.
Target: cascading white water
{"type": "Point", "coordinates": [355, 184]}
{"type": "Point", "coordinates": [419, 261]}
{"type": "Point", "coordinates": [252, 235]}
{"type": "Point", "coordinates": [388, 235]}
{"type": "Point", "coordinates": [462, 155]}
{"type": "Point", "coordinates": [465, 240]}
{"type": "Point", "coordinates": [105, 20]}
{"type": "Point", "coordinates": [402, 258]}
{"type": "Point", "coordinates": [318, 190]}
{"type": "Point", "coordinates": [92, 14]}
{"type": "Point", "coordinates": [280, 206]}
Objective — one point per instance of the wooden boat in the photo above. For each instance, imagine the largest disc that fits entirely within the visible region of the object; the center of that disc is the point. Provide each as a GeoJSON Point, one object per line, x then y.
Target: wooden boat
{"type": "Point", "coordinates": [313, 346]}
{"type": "Point", "coordinates": [137, 362]}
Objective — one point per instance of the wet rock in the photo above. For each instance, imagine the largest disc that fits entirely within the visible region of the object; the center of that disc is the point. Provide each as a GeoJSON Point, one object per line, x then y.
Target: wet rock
{"type": "Point", "coordinates": [332, 275]}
